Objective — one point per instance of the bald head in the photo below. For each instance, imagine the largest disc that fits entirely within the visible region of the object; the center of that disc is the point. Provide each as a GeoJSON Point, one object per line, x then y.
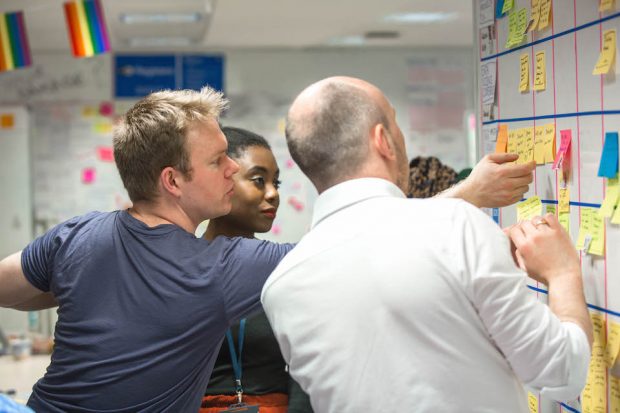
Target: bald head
{"type": "Point", "coordinates": [328, 126]}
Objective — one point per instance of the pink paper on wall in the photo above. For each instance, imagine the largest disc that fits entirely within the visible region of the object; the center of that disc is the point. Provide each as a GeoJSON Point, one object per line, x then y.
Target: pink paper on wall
{"type": "Point", "coordinates": [105, 153]}
{"type": "Point", "coordinates": [88, 175]}
{"type": "Point", "coordinates": [106, 109]}
{"type": "Point", "coordinates": [563, 153]}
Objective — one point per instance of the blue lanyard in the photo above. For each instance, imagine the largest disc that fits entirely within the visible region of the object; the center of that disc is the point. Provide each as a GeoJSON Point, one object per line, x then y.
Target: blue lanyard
{"type": "Point", "coordinates": [236, 360]}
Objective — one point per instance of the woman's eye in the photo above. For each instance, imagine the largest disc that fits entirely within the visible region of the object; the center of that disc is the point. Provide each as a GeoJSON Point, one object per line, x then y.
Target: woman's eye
{"type": "Point", "coordinates": [277, 183]}
{"type": "Point", "coordinates": [259, 181]}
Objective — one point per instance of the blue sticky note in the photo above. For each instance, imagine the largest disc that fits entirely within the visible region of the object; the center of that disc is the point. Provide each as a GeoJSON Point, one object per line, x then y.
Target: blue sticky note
{"type": "Point", "coordinates": [609, 158]}
{"type": "Point", "coordinates": [499, 6]}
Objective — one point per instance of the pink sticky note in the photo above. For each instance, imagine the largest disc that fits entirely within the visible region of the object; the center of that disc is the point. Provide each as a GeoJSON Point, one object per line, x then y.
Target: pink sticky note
{"type": "Point", "coordinates": [296, 204]}
{"type": "Point", "coordinates": [289, 163]}
{"type": "Point", "coordinates": [561, 158]}
{"type": "Point", "coordinates": [106, 109]}
{"type": "Point", "coordinates": [88, 175]}
{"type": "Point", "coordinates": [297, 186]}
{"type": "Point", "coordinates": [276, 229]}
{"type": "Point", "coordinates": [105, 153]}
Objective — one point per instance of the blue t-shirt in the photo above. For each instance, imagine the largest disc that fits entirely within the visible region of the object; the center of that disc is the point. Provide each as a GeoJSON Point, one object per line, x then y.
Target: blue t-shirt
{"type": "Point", "coordinates": [142, 311]}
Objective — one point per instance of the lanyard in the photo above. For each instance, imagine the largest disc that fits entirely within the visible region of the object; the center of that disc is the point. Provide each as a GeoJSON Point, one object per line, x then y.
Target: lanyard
{"type": "Point", "coordinates": [236, 360]}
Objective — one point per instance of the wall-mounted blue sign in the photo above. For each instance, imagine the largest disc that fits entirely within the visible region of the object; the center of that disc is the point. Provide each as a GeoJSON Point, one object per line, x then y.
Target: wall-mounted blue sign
{"type": "Point", "coordinates": [138, 75]}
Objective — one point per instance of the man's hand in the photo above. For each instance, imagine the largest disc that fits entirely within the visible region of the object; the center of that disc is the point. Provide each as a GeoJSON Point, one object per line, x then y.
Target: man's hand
{"type": "Point", "coordinates": [494, 182]}
{"type": "Point", "coordinates": [544, 249]}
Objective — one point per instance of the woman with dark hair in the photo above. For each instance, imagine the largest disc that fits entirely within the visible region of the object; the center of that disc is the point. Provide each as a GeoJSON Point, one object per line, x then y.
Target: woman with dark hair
{"type": "Point", "coordinates": [250, 352]}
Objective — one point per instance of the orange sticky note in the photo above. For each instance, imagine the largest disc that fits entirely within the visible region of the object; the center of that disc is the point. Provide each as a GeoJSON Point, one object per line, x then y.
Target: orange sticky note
{"type": "Point", "coordinates": [502, 139]}
{"type": "Point", "coordinates": [7, 121]}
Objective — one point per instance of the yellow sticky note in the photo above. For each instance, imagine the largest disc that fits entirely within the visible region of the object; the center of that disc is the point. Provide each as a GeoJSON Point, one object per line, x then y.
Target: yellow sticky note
{"type": "Point", "coordinates": [502, 139]}
{"type": "Point", "coordinates": [615, 218]}
{"type": "Point", "coordinates": [539, 145]}
{"type": "Point", "coordinates": [611, 198]}
{"type": "Point", "coordinates": [521, 25]}
{"type": "Point", "coordinates": [597, 225]}
{"type": "Point", "coordinates": [528, 143]}
{"type": "Point", "coordinates": [529, 208]}
{"type": "Point", "coordinates": [594, 396]}
{"type": "Point", "coordinates": [584, 228]}
{"type": "Point", "coordinates": [614, 394]}
{"type": "Point", "coordinates": [545, 14]}
{"type": "Point", "coordinates": [513, 25]}
{"type": "Point", "coordinates": [613, 344]}
{"type": "Point", "coordinates": [608, 53]}
{"type": "Point", "coordinates": [550, 209]}
{"type": "Point", "coordinates": [535, 15]}
{"type": "Point", "coordinates": [540, 73]}
{"type": "Point", "coordinates": [88, 111]}
{"type": "Point", "coordinates": [606, 5]}
{"type": "Point", "coordinates": [281, 126]}
{"type": "Point", "coordinates": [564, 219]}
{"type": "Point", "coordinates": [564, 200]}
{"type": "Point", "coordinates": [549, 143]}
{"type": "Point", "coordinates": [508, 5]}
{"type": "Point", "coordinates": [103, 127]}
{"type": "Point", "coordinates": [524, 73]}
{"type": "Point", "coordinates": [532, 402]}
{"type": "Point", "coordinates": [520, 139]}
{"type": "Point", "coordinates": [512, 141]}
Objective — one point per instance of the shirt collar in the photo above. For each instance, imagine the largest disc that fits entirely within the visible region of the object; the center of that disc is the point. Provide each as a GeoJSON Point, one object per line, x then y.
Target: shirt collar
{"type": "Point", "coordinates": [351, 192]}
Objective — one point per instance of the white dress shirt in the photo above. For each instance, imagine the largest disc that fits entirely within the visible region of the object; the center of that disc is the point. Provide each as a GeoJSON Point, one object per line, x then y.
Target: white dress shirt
{"type": "Point", "coordinates": [391, 304]}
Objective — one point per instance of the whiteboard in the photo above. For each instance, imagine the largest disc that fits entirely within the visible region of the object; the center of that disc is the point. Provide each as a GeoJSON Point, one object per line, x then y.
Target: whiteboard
{"type": "Point", "coordinates": [589, 106]}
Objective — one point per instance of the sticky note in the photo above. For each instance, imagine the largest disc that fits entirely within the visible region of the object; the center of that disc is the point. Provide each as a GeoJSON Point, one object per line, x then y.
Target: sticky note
{"type": "Point", "coordinates": [615, 218]}
{"type": "Point", "coordinates": [502, 139]}
{"type": "Point", "coordinates": [606, 5]}
{"type": "Point", "coordinates": [88, 175]}
{"type": "Point", "coordinates": [512, 141]}
{"type": "Point", "coordinates": [614, 394]}
{"type": "Point", "coordinates": [521, 25]}
{"type": "Point", "coordinates": [545, 14]}
{"type": "Point", "coordinates": [608, 54]}
{"type": "Point", "coordinates": [597, 246]}
{"type": "Point", "coordinates": [532, 402]}
{"type": "Point", "coordinates": [499, 7]}
{"type": "Point", "coordinates": [539, 145]}
{"type": "Point", "coordinates": [594, 396]}
{"type": "Point", "coordinates": [611, 198]}
{"type": "Point", "coordinates": [520, 144]}
{"type": "Point", "coordinates": [584, 228]}
{"type": "Point", "coordinates": [508, 5]}
{"type": "Point", "coordinates": [613, 344]}
{"type": "Point", "coordinates": [517, 26]}
{"type": "Point", "coordinates": [281, 126]}
{"type": "Point", "coordinates": [528, 144]}
{"type": "Point", "coordinates": [88, 111]}
{"type": "Point", "coordinates": [563, 200]}
{"type": "Point", "coordinates": [550, 209]}
{"type": "Point", "coordinates": [7, 121]}
{"type": "Point", "coordinates": [608, 166]}
{"type": "Point", "coordinates": [289, 163]}
{"type": "Point", "coordinates": [566, 136]}
{"type": "Point", "coordinates": [529, 208]}
{"type": "Point", "coordinates": [540, 72]}
{"type": "Point", "coordinates": [102, 128]}
{"type": "Point", "coordinates": [524, 73]}
{"type": "Point", "coordinates": [106, 109]}
{"type": "Point", "coordinates": [564, 219]}
{"type": "Point", "coordinates": [105, 153]}
{"type": "Point", "coordinates": [276, 229]}
{"type": "Point", "coordinates": [533, 25]}
{"type": "Point", "coordinates": [549, 143]}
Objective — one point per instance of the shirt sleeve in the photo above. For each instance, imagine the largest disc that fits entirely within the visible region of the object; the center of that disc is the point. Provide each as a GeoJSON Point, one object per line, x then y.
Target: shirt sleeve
{"type": "Point", "coordinates": [247, 264]}
{"type": "Point", "coordinates": [545, 353]}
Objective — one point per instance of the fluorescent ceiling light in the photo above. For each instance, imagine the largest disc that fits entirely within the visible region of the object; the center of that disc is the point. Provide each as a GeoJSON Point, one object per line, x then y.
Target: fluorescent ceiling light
{"type": "Point", "coordinates": [157, 18]}
{"type": "Point", "coordinates": [422, 17]}
{"type": "Point", "coordinates": [159, 41]}
{"type": "Point", "coordinates": [347, 41]}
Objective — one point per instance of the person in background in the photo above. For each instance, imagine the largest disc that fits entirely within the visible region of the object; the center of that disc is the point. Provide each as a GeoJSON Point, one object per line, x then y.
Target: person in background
{"type": "Point", "coordinates": [265, 381]}
{"type": "Point", "coordinates": [428, 176]}
{"type": "Point", "coordinates": [394, 304]}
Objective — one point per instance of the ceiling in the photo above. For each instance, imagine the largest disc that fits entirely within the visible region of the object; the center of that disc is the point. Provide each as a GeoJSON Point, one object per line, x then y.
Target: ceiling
{"type": "Point", "coordinates": [254, 23]}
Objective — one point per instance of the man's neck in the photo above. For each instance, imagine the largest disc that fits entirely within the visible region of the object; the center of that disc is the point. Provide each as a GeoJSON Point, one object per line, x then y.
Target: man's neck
{"type": "Point", "coordinates": [153, 215]}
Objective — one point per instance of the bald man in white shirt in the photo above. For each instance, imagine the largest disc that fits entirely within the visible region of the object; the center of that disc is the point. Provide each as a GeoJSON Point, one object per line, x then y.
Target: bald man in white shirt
{"type": "Point", "coordinates": [394, 304]}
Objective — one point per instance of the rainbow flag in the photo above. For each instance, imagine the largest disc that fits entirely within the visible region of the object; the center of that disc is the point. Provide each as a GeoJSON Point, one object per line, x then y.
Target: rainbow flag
{"type": "Point", "coordinates": [86, 26]}
{"type": "Point", "coordinates": [14, 48]}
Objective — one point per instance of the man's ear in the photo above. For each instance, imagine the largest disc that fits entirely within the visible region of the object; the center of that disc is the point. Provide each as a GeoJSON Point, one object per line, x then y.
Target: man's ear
{"type": "Point", "coordinates": [381, 140]}
{"type": "Point", "coordinates": [169, 178]}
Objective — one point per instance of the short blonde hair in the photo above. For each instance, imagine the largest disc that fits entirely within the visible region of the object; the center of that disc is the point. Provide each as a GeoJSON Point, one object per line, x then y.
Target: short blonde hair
{"type": "Point", "coordinates": [152, 135]}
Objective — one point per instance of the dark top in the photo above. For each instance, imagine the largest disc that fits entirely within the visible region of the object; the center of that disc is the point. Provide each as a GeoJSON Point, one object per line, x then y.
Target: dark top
{"type": "Point", "coordinates": [264, 369]}
{"type": "Point", "coordinates": [142, 311]}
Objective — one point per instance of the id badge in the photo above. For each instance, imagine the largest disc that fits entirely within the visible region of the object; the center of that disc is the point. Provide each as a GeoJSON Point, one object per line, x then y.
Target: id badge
{"type": "Point", "coordinates": [241, 408]}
